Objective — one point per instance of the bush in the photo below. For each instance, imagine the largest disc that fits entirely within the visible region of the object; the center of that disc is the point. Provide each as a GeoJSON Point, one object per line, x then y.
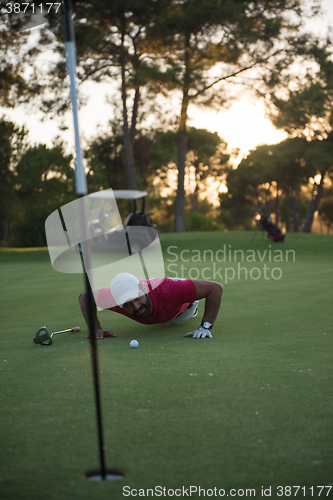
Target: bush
{"type": "Point", "coordinates": [200, 222]}
{"type": "Point", "coordinates": [30, 232]}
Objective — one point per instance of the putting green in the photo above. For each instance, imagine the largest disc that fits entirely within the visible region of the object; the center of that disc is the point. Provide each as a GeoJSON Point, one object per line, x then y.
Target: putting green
{"type": "Point", "coordinates": [250, 408]}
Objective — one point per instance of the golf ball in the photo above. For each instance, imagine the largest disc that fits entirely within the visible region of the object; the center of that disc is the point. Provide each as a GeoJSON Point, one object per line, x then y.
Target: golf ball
{"type": "Point", "coordinates": [134, 344]}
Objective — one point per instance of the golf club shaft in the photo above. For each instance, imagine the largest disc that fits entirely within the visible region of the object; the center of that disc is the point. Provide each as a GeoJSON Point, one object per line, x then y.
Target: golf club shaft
{"type": "Point", "coordinates": [74, 329]}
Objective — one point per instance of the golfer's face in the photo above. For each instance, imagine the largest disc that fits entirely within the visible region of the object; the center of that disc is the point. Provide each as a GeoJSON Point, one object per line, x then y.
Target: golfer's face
{"type": "Point", "coordinates": [139, 307]}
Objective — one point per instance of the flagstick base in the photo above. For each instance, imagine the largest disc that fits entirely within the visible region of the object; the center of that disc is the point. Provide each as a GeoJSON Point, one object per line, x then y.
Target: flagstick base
{"type": "Point", "coordinates": [110, 475]}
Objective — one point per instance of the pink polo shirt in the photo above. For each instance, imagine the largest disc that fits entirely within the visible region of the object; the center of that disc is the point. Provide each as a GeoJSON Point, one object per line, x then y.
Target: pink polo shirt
{"type": "Point", "coordinates": [170, 298]}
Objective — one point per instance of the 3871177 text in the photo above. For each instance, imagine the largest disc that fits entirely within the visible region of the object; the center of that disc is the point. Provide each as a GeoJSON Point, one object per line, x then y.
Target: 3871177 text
{"type": "Point", "coordinates": [298, 491]}
{"type": "Point", "coordinates": [32, 8]}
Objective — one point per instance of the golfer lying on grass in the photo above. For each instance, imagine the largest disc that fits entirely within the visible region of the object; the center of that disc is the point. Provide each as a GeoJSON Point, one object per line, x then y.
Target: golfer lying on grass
{"type": "Point", "coordinates": [160, 300]}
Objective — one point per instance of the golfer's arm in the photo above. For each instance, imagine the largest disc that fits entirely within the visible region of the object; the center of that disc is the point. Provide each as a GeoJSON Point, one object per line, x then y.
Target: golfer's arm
{"type": "Point", "coordinates": [83, 300]}
{"type": "Point", "coordinates": [212, 292]}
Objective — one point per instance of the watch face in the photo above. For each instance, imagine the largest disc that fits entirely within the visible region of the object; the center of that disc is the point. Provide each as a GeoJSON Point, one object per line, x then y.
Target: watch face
{"type": "Point", "coordinates": [207, 325]}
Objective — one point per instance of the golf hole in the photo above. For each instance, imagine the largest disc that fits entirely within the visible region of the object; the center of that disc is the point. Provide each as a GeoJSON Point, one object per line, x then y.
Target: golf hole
{"type": "Point", "coordinates": [110, 475]}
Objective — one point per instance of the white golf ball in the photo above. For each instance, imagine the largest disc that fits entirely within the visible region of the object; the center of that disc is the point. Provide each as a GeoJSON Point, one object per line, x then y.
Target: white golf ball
{"type": "Point", "coordinates": [134, 344]}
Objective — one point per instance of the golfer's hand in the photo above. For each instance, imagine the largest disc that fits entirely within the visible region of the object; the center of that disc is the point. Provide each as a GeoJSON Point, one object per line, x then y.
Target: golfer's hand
{"type": "Point", "coordinates": [200, 333]}
{"type": "Point", "coordinates": [101, 334]}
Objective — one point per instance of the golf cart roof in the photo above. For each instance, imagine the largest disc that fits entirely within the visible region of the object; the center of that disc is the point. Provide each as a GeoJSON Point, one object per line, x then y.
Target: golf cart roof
{"type": "Point", "coordinates": [120, 194]}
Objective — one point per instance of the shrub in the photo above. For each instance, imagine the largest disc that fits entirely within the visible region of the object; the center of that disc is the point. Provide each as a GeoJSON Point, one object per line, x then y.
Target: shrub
{"type": "Point", "coordinates": [200, 222]}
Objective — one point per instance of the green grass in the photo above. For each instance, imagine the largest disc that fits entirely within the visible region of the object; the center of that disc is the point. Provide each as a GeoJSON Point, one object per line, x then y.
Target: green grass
{"type": "Point", "coordinates": [251, 407]}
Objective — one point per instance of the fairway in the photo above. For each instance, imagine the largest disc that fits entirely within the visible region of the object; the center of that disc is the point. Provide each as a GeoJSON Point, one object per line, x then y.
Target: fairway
{"type": "Point", "coordinates": [250, 408]}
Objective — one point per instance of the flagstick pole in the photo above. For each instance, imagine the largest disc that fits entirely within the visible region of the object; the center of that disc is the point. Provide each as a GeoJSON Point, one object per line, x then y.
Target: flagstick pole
{"type": "Point", "coordinates": [81, 191]}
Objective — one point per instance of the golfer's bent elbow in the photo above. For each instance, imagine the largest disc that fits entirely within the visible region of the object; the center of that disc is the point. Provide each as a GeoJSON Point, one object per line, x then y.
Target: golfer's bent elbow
{"type": "Point", "coordinates": [217, 293]}
{"type": "Point", "coordinates": [83, 301]}
{"type": "Point", "coordinates": [83, 298]}
{"type": "Point", "coordinates": [219, 288]}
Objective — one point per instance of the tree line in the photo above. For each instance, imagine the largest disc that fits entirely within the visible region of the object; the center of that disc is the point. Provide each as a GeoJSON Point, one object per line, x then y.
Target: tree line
{"type": "Point", "coordinates": [285, 180]}
{"type": "Point", "coordinates": [196, 51]}
{"type": "Point", "coordinates": [37, 179]}
{"type": "Point", "coordinates": [280, 179]}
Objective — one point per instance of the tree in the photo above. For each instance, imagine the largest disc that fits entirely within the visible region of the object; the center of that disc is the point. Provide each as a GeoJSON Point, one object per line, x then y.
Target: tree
{"type": "Point", "coordinates": [18, 80]}
{"type": "Point", "coordinates": [291, 172]}
{"type": "Point", "coordinates": [231, 37]}
{"type": "Point", "coordinates": [12, 144]}
{"type": "Point", "coordinates": [239, 204]}
{"type": "Point", "coordinates": [44, 180]}
{"type": "Point", "coordinates": [320, 158]}
{"type": "Point", "coordinates": [104, 157]}
{"type": "Point", "coordinates": [152, 150]}
{"type": "Point", "coordinates": [111, 46]}
{"type": "Point", "coordinates": [266, 174]}
{"type": "Point", "coordinates": [44, 173]}
{"type": "Point", "coordinates": [307, 111]}
{"type": "Point", "coordinates": [326, 207]}
{"type": "Point", "coordinates": [206, 160]}
{"type": "Point", "coordinates": [34, 181]}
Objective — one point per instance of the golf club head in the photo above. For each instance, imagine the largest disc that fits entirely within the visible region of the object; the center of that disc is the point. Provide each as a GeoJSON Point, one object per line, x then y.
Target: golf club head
{"type": "Point", "coordinates": [43, 337]}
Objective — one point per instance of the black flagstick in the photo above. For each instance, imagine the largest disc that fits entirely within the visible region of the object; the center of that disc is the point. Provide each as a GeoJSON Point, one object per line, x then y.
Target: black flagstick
{"type": "Point", "coordinates": [81, 190]}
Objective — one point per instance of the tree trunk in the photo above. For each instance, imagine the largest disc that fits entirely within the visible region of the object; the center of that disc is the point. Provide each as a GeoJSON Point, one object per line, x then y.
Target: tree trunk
{"type": "Point", "coordinates": [314, 204]}
{"type": "Point", "coordinates": [288, 209]}
{"type": "Point", "coordinates": [277, 207]}
{"type": "Point", "coordinates": [195, 194]}
{"type": "Point", "coordinates": [180, 196]}
{"type": "Point", "coordinates": [182, 146]}
{"type": "Point", "coordinates": [135, 114]}
{"type": "Point", "coordinates": [295, 208]}
{"type": "Point", "coordinates": [128, 156]}
{"type": "Point", "coordinates": [6, 237]}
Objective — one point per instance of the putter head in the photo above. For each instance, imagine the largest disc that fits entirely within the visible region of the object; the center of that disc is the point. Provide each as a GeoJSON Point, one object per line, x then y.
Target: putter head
{"type": "Point", "coordinates": [43, 337]}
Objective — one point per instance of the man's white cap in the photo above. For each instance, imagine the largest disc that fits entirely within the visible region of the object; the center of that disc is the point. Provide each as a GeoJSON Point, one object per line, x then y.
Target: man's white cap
{"type": "Point", "coordinates": [125, 287]}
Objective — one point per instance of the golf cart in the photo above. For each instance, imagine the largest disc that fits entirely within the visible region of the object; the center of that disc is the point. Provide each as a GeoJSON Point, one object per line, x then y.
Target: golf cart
{"type": "Point", "coordinates": [137, 230]}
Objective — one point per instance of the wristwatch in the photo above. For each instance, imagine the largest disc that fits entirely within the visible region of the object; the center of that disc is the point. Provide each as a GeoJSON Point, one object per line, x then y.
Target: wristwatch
{"type": "Point", "coordinates": [207, 325]}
